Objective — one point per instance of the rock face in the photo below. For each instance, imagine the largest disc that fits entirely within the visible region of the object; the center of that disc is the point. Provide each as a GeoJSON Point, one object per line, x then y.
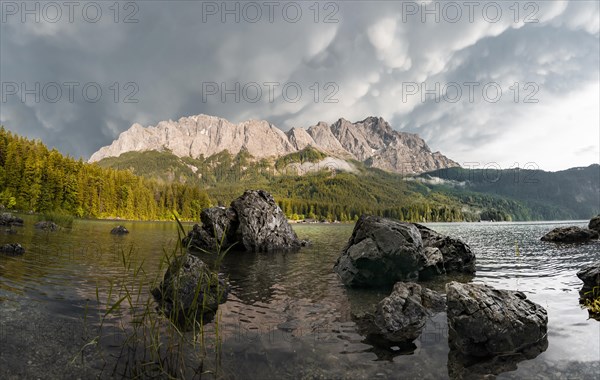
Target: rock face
{"type": "Point", "coordinates": [486, 322]}
{"type": "Point", "coordinates": [383, 251]}
{"type": "Point", "coordinates": [46, 225]}
{"type": "Point", "coordinates": [262, 224]}
{"type": "Point", "coordinates": [595, 224]}
{"type": "Point", "coordinates": [590, 275]}
{"type": "Point", "coordinates": [13, 249]}
{"type": "Point", "coordinates": [8, 219]}
{"type": "Point", "coordinates": [254, 222]}
{"type": "Point", "coordinates": [190, 291]}
{"type": "Point", "coordinates": [570, 235]}
{"type": "Point", "coordinates": [372, 141]}
{"type": "Point", "coordinates": [401, 316]}
{"type": "Point", "coordinates": [216, 221]}
{"type": "Point", "coordinates": [119, 230]}
{"type": "Point", "coordinates": [457, 255]}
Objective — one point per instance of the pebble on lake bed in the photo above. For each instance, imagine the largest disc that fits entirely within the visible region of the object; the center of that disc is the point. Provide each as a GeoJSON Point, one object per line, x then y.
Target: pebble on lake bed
{"type": "Point", "coordinates": [14, 249]}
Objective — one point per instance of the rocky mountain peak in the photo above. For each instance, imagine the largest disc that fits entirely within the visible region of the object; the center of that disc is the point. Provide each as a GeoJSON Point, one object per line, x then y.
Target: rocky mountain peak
{"type": "Point", "coordinates": [372, 141]}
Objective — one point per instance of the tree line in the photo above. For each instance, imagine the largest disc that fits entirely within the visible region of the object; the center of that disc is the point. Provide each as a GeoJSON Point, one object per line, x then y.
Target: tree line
{"type": "Point", "coordinates": [34, 178]}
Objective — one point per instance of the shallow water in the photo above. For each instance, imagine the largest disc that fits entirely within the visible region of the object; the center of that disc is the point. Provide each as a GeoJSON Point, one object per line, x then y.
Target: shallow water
{"type": "Point", "coordinates": [288, 315]}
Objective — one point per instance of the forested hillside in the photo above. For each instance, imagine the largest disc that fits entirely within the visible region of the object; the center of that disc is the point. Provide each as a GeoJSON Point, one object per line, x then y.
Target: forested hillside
{"type": "Point", "coordinates": [568, 194]}
{"type": "Point", "coordinates": [34, 178]}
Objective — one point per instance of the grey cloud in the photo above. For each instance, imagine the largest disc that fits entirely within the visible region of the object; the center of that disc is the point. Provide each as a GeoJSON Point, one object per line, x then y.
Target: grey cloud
{"type": "Point", "coordinates": [369, 54]}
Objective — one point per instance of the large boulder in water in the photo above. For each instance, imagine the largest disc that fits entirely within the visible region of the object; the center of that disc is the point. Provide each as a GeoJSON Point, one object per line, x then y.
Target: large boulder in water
{"type": "Point", "coordinates": [485, 322]}
{"type": "Point", "coordinates": [595, 224]}
{"type": "Point", "coordinates": [458, 257]}
{"type": "Point", "coordinates": [254, 222]}
{"type": "Point", "coordinates": [190, 292]}
{"type": "Point", "coordinates": [381, 252]}
{"type": "Point", "coordinates": [401, 316]}
{"type": "Point", "coordinates": [570, 235]}
{"type": "Point", "coordinates": [262, 224]}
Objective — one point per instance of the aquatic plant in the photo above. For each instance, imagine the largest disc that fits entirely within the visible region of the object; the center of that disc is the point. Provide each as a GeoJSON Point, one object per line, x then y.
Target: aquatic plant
{"type": "Point", "coordinates": [60, 218]}
{"type": "Point", "coordinates": [149, 341]}
{"type": "Point", "coordinates": [591, 301]}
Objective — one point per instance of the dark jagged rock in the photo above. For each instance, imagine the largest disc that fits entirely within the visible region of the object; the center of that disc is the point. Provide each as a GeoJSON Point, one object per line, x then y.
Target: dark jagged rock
{"type": "Point", "coordinates": [434, 263]}
{"type": "Point", "coordinates": [570, 235]}
{"type": "Point", "coordinates": [46, 225]}
{"type": "Point", "coordinates": [401, 316]}
{"type": "Point", "coordinates": [590, 275]}
{"type": "Point", "coordinates": [595, 224]}
{"type": "Point", "coordinates": [190, 292]}
{"type": "Point", "coordinates": [13, 249]}
{"type": "Point", "coordinates": [8, 219]}
{"type": "Point", "coordinates": [119, 230]}
{"type": "Point", "coordinates": [381, 252]}
{"type": "Point", "coordinates": [262, 224]}
{"type": "Point", "coordinates": [486, 322]}
{"type": "Point", "coordinates": [216, 221]}
{"type": "Point", "coordinates": [254, 222]}
{"type": "Point", "coordinates": [458, 257]}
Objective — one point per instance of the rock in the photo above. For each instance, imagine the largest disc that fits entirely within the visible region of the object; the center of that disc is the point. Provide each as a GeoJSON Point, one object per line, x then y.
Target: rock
{"type": "Point", "coordinates": [458, 257]}
{"type": "Point", "coordinates": [570, 235]}
{"type": "Point", "coordinates": [381, 252]}
{"type": "Point", "coordinates": [372, 141]}
{"type": "Point", "coordinates": [401, 316]}
{"type": "Point", "coordinates": [262, 224]}
{"type": "Point", "coordinates": [8, 219]}
{"type": "Point", "coordinates": [434, 263]}
{"type": "Point", "coordinates": [119, 230]}
{"type": "Point", "coordinates": [46, 225]}
{"type": "Point", "coordinates": [595, 224]}
{"type": "Point", "coordinates": [13, 249]}
{"type": "Point", "coordinates": [590, 275]}
{"type": "Point", "coordinates": [484, 322]}
{"type": "Point", "coordinates": [216, 221]}
{"type": "Point", "coordinates": [190, 292]}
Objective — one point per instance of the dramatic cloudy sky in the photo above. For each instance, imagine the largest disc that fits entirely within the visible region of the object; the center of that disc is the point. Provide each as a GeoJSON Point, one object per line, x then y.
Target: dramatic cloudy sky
{"type": "Point", "coordinates": [369, 58]}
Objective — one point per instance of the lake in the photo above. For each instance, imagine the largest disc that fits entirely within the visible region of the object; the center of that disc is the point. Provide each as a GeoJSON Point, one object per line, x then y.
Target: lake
{"type": "Point", "coordinates": [287, 316]}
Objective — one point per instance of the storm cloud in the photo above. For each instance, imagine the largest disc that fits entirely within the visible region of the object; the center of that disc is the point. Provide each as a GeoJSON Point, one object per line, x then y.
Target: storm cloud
{"type": "Point", "coordinates": [482, 82]}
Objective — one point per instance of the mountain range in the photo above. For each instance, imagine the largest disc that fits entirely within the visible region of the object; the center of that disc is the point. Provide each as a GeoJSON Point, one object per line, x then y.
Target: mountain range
{"type": "Point", "coordinates": [371, 141]}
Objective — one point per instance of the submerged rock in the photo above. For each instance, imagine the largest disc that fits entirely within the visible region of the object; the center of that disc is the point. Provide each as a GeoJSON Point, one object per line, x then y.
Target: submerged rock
{"type": "Point", "coordinates": [595, 224]}
{"type": "Point", "coordinates": [458, 257]}
{"type": "Point", "coordinates": [485, 322]}
{"type": "Point", "coordinates": [401, 316]}
{"type": "Point", "coordinates": [119, 230]}
{"type": "Point", "coordinates": [13, 249]}
{"type": "Point", "coordinates": [8, 219]}
{"type": "Point", "coordinates": [381, 252]}
{"type": "Point", "coordinates": [254, 222]}
{"type": "Point", "coordinates": [570, 235]}
{"type": "Point", "coordinates": [46, 225]}
{"type": "Point", "coordinates": [190, 292]}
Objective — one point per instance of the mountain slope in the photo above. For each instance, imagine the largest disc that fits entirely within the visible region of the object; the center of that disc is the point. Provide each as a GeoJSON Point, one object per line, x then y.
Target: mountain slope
{"type": "Point", "coordinates": [371, 141]}
{"type": "Point", "coordinates": [568, 194]}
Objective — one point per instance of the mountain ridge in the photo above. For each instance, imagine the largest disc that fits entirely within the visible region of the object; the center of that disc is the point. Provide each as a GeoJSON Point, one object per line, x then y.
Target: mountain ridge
{"type": "Point", "coordinates": [371, 141]}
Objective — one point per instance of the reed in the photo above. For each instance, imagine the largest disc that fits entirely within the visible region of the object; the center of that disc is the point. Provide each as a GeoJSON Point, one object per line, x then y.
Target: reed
{"type": "Point", "coordinates": [138, 339]}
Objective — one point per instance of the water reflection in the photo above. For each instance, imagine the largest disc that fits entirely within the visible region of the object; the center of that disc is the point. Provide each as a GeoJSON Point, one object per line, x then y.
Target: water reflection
{"type": "Point", "coordinates": [288, 315]}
